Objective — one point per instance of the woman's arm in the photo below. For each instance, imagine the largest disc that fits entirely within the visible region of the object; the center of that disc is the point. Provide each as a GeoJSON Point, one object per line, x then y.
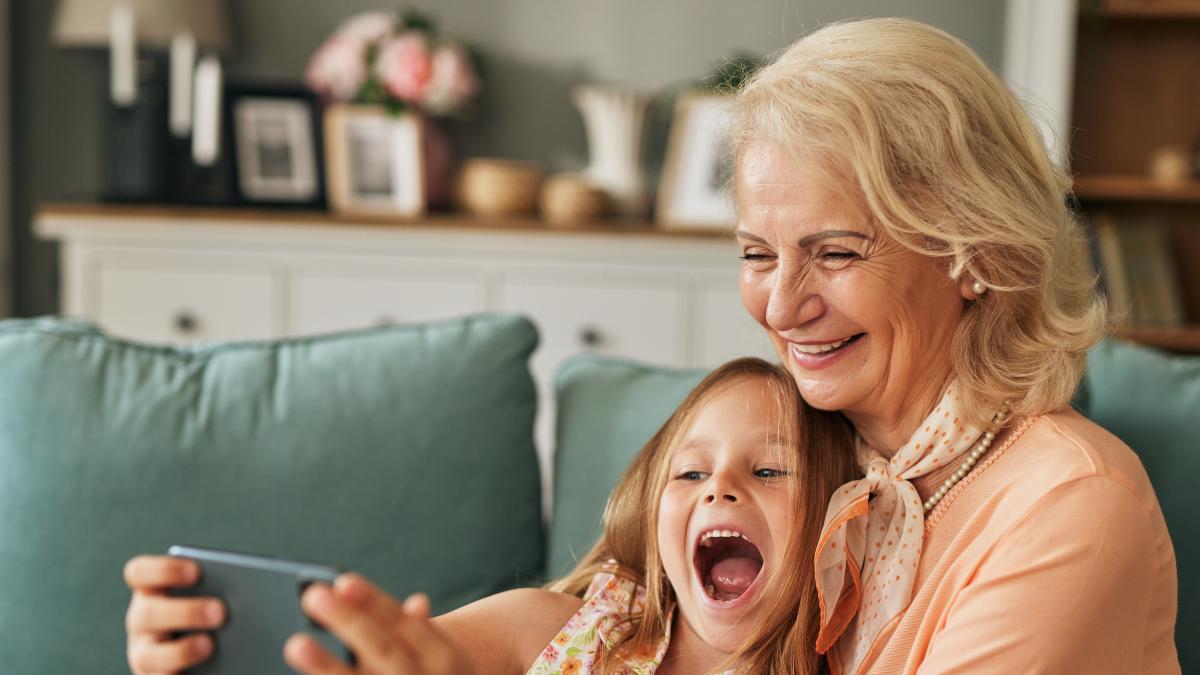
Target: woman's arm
{"type": "Point", "coordinates": [518, 623]}
{"type": "Point", "coordinates": [501, 634]}
{"type": "Point", "coordinates": [1068, 589]}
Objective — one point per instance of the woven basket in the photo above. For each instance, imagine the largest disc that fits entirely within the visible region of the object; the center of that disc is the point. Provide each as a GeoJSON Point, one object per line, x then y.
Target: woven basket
{"type": "Point", "coordinates": [498, 187]}
{"type": "Point", "coordinates": [569, 199]}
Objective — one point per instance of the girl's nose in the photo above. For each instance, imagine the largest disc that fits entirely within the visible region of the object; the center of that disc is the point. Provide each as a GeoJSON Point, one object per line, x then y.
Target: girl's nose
{"type": "Point", "coordinates": [722, 489]}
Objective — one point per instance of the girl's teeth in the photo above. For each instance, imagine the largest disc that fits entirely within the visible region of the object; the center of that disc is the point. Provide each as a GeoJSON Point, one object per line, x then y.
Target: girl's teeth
{"type": "Point", "coordinates": [706, 540]}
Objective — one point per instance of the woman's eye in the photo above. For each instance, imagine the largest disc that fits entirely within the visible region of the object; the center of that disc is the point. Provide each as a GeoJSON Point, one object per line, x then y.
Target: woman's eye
{"type": "Point", "coordinates": [769, 473]}
{"type": "Point", "coordinates": [837, 258]}
{"type": "Point", "coordinates": [753, 257]}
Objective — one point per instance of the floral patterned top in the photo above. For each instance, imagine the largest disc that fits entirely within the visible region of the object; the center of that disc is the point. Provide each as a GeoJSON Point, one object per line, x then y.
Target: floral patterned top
{"type": "Point", "coordinates": [611, 601]}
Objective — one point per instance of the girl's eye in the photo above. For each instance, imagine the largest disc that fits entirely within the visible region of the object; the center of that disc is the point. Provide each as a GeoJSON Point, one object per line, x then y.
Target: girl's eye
{"type": "Point", "coordinates": [691, 475]}
{"type": "Point", "coordinates": [769, 473]}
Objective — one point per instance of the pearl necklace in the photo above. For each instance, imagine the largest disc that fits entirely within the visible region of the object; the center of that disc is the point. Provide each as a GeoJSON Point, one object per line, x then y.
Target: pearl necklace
{"type": "Point", "coordinates": [980, 449]}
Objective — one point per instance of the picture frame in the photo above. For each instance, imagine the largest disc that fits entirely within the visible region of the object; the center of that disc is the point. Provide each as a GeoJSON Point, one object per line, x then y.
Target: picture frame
{"type": "Point", "coordinates": [375, 161]}
{"type": "Point", "coordinates": [276, 146]}
{"type": "Point", "coordinates": [695, 189]}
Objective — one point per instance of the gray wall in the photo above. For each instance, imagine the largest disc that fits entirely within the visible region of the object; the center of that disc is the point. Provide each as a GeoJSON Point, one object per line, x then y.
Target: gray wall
{"type": "Point", "coordinates": [536, 50]}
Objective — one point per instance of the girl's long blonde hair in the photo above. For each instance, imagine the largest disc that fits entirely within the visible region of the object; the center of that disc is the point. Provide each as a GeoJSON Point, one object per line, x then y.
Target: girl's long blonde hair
{"type": "Point", "coordinates": [783, 642]}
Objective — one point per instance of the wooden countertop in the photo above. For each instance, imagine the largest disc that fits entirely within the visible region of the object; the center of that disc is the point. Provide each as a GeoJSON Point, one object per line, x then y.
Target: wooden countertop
{"type": "Point", "coordinates": [300, 217]}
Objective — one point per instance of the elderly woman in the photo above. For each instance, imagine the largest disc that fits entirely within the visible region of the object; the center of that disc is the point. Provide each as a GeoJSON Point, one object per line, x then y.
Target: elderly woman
{"type": "Point", "coordinates": [907, 247]}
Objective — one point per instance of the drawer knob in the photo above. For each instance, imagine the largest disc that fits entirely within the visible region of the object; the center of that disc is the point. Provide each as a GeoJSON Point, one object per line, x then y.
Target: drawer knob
{"type": "Point", "coordinates": [186, 322]}
{"type": "Point", "coordinates": [590, 336]}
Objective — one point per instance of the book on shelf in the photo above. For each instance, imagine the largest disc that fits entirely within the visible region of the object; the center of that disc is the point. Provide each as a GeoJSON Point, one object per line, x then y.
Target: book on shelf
{"type": "Point", "coordinates": [1138, 271]}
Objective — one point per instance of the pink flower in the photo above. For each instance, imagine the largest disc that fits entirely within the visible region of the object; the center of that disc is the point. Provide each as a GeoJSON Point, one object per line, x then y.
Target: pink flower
{"type": "Point", "coordinates": [367, 27]}
{"type": "Point", "coordinates": [338, 68]}
{"type": "Point", "coordinates": [404, 67]}
{"type": "Point", "coordinates": [452, 83]}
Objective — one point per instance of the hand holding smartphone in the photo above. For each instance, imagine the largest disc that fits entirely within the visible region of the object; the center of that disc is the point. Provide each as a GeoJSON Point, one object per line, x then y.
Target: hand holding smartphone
{"type": "Point", "coordinates": [262, 600]}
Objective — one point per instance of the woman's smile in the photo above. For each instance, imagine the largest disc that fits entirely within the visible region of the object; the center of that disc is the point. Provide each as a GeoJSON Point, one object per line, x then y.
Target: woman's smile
{"type": "Point", "coordinates": [819, 355]}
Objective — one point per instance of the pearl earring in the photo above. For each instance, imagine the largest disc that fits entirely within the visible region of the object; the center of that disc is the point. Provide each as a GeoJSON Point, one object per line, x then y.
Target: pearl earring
{"type": "Point", "coordinates": [979, 288]}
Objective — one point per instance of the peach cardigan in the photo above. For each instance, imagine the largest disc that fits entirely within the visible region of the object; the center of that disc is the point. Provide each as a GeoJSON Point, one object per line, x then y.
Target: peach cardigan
{"type": "Point", "coordinates": [1052, 556]}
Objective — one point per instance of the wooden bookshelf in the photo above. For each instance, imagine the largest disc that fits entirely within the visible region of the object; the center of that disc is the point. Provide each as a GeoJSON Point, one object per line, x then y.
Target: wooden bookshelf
{"type": "Point", "coordinates": [1133, 188]}
{"type": "Point", "coordinates": [1137, 90]}
{"type": "Point", "coordinates": [1150, 9]}
{"type": "Point", "coordinates": [1183, 340]}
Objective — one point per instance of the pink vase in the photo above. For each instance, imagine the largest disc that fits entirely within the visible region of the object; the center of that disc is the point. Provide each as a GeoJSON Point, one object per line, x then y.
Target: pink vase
{"type": "Point", "coordinates": [439, 163]}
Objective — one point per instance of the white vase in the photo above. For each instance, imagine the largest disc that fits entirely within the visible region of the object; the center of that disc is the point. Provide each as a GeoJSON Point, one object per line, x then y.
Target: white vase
{"type": "Point", "coordinates": [614, 119]}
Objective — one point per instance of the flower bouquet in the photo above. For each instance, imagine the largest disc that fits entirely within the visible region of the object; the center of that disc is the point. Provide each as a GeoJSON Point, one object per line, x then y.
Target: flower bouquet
{"type": "Point", "coordinates": [400, 62]}
{"type": "Point", "coordinates": [398, 65]}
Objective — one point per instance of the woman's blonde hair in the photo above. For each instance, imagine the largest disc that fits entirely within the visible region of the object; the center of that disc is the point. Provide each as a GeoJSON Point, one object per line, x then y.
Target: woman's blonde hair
{"type": "Point", "coordinates": [820, 461]}
{"type": "Point", "coordinates": [911, 121]}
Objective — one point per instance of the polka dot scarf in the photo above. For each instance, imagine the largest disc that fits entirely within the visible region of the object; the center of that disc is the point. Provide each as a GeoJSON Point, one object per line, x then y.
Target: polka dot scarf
{"type": "Point", "coordinates": [867, 557]}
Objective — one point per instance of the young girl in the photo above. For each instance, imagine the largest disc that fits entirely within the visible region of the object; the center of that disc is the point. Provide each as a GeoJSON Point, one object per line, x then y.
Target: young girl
{"type": "Point", "coordinates": [705, 564]}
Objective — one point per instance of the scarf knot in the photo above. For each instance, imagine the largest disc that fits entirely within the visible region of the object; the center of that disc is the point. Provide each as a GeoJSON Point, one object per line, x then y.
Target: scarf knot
{"type": "Point", "coordinates": [878, 475]}
{"type": "Point", "coordinates": [870, 546]}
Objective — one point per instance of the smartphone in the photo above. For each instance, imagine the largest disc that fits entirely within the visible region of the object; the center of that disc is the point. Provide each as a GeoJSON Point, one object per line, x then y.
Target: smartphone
{"type": "Point", "coordinates": [262, 602]}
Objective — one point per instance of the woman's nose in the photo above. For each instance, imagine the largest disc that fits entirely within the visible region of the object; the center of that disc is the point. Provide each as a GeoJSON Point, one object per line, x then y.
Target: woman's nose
{"type": "Point", "coordinates": [792, 304]}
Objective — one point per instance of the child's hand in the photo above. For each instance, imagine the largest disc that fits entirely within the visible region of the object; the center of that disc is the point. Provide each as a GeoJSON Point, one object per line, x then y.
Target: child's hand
{"type": "Point", "coordinates": [154, 617]}
{"type": "Point", "coordinates": [387, 637]}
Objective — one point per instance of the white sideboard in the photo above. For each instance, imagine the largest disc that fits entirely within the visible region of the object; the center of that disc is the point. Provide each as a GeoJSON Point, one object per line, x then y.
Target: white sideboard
{"type": "Point", "coordinates": [185, 276]}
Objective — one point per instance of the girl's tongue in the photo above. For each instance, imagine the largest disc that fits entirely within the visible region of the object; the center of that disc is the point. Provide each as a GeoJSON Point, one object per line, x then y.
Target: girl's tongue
{"type": "Point", "coordinates": [728, 566]}
{"type": "Point", "coordinates": [732, 576]}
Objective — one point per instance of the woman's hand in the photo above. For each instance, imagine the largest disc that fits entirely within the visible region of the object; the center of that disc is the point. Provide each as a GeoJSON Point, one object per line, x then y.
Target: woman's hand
{"type": "Point", "coordinates": [153, 616]}
{"type": "Point", "coordinates": [386, 636]}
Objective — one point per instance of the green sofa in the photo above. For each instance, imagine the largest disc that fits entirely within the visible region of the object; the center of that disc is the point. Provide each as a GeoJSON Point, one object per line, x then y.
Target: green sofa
{"type": "Point", "coordinates": [403, 452]}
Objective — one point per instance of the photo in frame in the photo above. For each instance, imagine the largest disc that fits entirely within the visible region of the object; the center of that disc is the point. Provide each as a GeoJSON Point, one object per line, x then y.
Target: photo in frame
{"type": "Point", "coordinates": [276, 144]}
{"type": "Point", "coordinates": [375, 161]}
{"type": "Point", "coordinates": [695, 191]}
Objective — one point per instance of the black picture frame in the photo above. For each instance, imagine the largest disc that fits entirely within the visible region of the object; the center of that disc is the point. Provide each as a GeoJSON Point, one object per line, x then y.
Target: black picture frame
{"type": "Point", "coordinates": [276, 145]}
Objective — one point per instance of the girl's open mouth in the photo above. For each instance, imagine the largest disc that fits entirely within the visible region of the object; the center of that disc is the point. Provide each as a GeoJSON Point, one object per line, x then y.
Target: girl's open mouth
{"type": "Point", "coordinates": [727, 565]}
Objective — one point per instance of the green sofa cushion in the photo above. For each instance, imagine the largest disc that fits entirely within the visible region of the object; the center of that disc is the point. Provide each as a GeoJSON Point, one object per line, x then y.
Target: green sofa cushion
{"type": "Point", "coordinates": [404, 452]}
{"type": "Point", "coordinates": [1151, 400]}
{"type": "Point", "coordinates": [607, 409]}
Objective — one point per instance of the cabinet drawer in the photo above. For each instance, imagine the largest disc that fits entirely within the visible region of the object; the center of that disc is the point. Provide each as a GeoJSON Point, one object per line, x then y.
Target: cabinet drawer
{"type": "Point", "coordinates": [725, 330]}
{"type": "Point", "coordinates": [179, 305]}
{"type": "Point", "coordinates": [642, 321]}
{"type": "Point", "coordinates": [321, 304]}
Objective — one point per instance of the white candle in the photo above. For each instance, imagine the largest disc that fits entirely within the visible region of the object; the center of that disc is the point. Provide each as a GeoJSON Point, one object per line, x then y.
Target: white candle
{"type": "Point", "coordinates": [123, 59]}
{"type": "Point", "coordinates": [183, 63]}
{"type": "Point", "coordinates": [206, 134]}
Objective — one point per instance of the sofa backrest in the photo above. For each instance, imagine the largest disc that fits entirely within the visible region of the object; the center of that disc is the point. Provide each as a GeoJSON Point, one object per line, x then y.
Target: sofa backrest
{"type": "Point", "coordinates": [405, 453]}
{"type": "Point", "coordinates": [1151, 400]}
{"type": "Point", "coordinates": [608, 408]}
